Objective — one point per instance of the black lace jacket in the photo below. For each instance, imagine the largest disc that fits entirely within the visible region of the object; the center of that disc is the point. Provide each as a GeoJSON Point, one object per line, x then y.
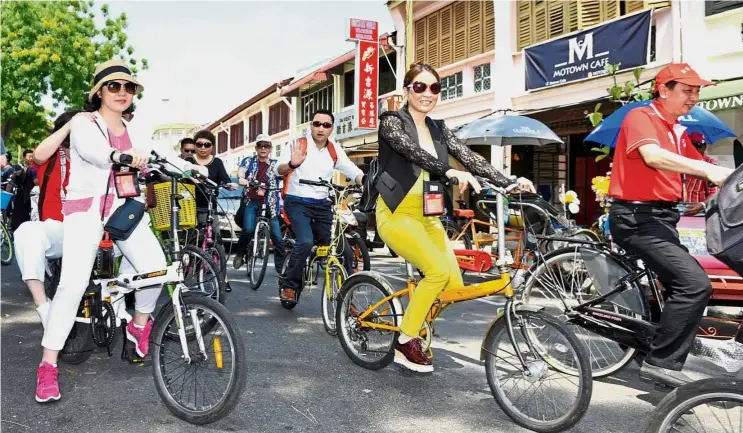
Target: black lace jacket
{"type": "Point", "coordinates": [392, 130]}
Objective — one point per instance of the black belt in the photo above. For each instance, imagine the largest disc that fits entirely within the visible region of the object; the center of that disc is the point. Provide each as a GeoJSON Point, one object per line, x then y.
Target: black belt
{"type": "Point", "coordinates": [650, 204]}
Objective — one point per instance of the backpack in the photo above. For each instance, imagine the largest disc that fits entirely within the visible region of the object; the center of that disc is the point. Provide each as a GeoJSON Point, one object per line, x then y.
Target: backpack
{"type": "Point", "coordinates": [333, 156]}
{"type": "Point", "coordinates": [725, 222]}
{"type": "Point", "coordinates": [368, 201]}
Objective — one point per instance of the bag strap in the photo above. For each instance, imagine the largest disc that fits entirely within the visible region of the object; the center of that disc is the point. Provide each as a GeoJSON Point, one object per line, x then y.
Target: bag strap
{"type": "Point", "coordinates": [332, 152]}
{"type": "Point", "coordinates": [45, 186]}
{"type": "Point", "coordinates": [110, 174]}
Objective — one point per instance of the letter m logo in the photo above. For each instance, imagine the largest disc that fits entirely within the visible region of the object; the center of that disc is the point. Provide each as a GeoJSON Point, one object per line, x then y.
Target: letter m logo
{"type": "Point", "coordinates": [580, 49]}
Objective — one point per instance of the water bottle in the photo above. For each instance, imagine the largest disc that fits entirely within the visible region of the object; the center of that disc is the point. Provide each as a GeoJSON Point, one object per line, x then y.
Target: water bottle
{"type": "Point", "coordinates": [104, 260]}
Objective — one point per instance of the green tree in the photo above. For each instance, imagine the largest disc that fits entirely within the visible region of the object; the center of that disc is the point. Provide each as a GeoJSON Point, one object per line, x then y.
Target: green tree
{"type": "Point", "coordinates": [51, 48]}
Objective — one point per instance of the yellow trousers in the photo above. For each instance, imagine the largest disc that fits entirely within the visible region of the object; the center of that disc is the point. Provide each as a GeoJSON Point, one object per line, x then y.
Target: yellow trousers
{"type": "Point", "coordinates": [423, 242]}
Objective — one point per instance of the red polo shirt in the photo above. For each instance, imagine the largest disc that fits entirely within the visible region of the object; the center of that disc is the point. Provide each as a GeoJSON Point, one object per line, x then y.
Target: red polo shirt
{"type": "Point", "coordinates": [631, 178]}
{"type": "Point", "coordinates": [52, 207]}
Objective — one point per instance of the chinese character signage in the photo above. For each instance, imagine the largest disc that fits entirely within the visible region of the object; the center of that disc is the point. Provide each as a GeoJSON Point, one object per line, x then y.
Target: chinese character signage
{"type": "Point", "coordinates": [585, 54]}
{"type": "Point", "coordinates": [366, 74]}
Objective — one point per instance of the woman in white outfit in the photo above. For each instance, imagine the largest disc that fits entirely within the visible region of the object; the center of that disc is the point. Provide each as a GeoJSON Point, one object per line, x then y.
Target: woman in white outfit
{"type": "Point", "coordinates": [91, 198]}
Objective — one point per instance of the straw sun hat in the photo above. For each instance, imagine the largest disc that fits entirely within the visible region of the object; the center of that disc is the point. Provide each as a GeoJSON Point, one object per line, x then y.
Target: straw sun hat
{"type": "Point", "coordinates": [112, 70]}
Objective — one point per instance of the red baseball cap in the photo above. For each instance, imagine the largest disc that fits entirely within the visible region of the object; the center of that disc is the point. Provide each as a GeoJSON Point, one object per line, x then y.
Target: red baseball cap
{"type": "Point", "coordinates": [681, 73]}
{"type": "Point", "coordinates": [697, 137]}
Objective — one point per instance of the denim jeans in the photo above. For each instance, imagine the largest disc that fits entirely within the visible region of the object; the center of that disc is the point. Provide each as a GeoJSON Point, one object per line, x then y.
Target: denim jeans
{"type": "Point", "coordinates": [309, 221]}
{"type": "Point", "coordinates": [250, 220]}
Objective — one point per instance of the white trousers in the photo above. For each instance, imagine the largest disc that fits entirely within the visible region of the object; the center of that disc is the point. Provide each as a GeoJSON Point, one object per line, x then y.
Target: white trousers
{"type": "Point", "coordinates": [82, 233]}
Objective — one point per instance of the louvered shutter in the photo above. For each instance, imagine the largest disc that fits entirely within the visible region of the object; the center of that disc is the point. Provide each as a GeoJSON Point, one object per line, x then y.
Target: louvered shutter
{"type": "Point", "coordinates": [420, 40]}
{"type": "Point", "coordinates": [609, 10]}
{"type": "Point", "coordinates": [489, 27]}
{"type": "Point", "coordinates": [540, 21]}
{"type": "Point", "coordinates": [589, 13]}
{"type": "Point", "coordinates": [445, 34]}
{"type": "Point", "coordinates": [460, 31]}
{"type": "Point", "coordinates": [633, 6]}
{"type": "Point", "coordinates": [474, 30]}
{"type": "Point", "coordinates": [573, 21]}
{"type": "Point", "coordinates": [432, 52]}
{"type": "Point", "coordinates": [524, 24]}
{"type": "Point", "coordinates": [657, 4]}
{"type": "Point", "coordinates": [557, 14]}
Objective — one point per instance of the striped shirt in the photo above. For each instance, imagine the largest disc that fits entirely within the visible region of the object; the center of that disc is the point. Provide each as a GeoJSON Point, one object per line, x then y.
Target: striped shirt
{"type": "Point", "coordinates": [698, 190]}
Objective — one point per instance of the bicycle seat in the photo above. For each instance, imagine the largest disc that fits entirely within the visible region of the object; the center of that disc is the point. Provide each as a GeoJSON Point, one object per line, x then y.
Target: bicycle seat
{"type": "Point", "coordinates": [464, 213]}
{"type": "Point", "coordinates": [360, 216]}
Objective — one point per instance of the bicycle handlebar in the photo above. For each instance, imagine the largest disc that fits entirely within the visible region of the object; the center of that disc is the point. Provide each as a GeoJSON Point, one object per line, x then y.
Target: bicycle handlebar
{"type": "Point", "coordinates": [326, 184]}
{"type": "Point", "coordinates": [157, 163]}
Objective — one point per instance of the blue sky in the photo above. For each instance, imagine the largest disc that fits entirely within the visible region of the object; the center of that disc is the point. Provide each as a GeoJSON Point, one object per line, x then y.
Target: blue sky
{"type": "Point", "coordinates": [207, 57]}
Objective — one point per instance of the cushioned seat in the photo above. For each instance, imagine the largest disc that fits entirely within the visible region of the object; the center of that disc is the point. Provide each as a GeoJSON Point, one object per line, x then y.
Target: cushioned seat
{"type": "Point", "coordinates": [464, 213]}
{"type": "Point", "coordinates": [360, 216]}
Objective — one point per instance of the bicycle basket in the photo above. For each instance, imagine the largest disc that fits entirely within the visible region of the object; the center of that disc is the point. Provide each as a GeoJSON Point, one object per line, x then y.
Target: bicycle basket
{"type": "Point", "coordinates": [160, 215]}
{"type": "Point", "coordinates": [605, 272]}
{"type": "Point", "coordinates": [5, 199]}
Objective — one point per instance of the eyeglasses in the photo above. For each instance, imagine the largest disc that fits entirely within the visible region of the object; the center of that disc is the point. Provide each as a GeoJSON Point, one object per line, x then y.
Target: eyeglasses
{"type": "Point", "coordinates": [203, 144]}
{"type": "Point", "coordinates": [115, 87]}
{"type": "Point", "coordinates": [326, 125]}
{"type": "Point", "coordinates": [263, 145]}
{"type": "Point", "coordinates": [189, 150]}
{"type": "Point", "coordinates": [419, 87]}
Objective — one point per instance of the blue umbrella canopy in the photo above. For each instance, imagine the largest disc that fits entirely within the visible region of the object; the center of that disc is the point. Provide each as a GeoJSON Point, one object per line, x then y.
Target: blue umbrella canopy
{"type": "Point", "coordinates": [508, 130]}
{"type": "Point", "coordinates": [698, 120]}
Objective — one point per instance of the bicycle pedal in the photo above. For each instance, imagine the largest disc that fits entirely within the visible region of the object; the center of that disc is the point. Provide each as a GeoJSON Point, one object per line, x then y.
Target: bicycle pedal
{"type": "Point", "coordinates": [662, 387]}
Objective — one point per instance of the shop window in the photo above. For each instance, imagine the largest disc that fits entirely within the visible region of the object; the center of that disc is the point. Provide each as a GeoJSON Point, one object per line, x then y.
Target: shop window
{"type": "Point", "coordinates": [255, 126]}
{"type": "Point", "coordinates": [318, 99]}
{"type": "Point", "coordinates": [454, 33]}
{"type": "Point", "coordinates": [451, 86]}
{"type": "Point", "coordinates": [716, 7]}
{"type": "Point", "coordinates": [541, 20]}
{"type": "Point", "coordinates": [348, 88]}
{"type": "Point", "coordinates": [237, 137]}
{"type": "Point", "coordinates": [221, 142]}
{"type": "Point", "coordinates": [482, 78]}
{"type": "Point", "coordinates": [278, 118]}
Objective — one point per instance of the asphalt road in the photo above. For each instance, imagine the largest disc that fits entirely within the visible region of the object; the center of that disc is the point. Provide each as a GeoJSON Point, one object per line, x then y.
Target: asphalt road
{"type": "Point", "coordinates": [299, 378]}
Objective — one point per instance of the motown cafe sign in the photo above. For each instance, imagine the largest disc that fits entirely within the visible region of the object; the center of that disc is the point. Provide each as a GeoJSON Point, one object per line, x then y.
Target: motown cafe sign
{"type": "Point", "coordinates": [586, 54]}
{"type": "Point", "coordinates": [723, 103]}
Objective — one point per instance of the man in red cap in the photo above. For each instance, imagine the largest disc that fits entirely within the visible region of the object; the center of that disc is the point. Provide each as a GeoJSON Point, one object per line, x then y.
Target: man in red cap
{"type": "Point", "coordinates": [697, 190]}
{"type": "Point", "coordinates": [652, 156]}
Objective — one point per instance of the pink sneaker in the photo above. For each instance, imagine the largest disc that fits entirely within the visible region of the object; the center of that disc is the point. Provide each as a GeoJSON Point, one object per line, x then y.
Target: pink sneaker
{"type": "Point", "coordinates": [140, 337]}
{"type": "Point", "coordinates": [47, 383]}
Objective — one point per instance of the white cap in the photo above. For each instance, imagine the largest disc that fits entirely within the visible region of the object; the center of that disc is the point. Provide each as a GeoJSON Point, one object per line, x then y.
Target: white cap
{"type": "Point", "coordinates": [263, 137]}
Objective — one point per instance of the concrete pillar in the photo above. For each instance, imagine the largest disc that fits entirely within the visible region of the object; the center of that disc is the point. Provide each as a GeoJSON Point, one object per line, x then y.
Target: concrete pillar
{"type": "Point", "coordinates": [503, 71]}
{"type": "Point", "coordinates": [398, 18]}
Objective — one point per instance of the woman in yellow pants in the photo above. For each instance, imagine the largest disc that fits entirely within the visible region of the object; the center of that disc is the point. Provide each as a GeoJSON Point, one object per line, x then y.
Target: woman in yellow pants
{"type": "Point", "coordinates": [413, 156]}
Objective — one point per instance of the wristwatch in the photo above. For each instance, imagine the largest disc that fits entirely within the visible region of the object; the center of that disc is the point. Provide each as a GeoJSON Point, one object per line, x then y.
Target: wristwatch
{"type": "Point", "coordinates": [292, 166]}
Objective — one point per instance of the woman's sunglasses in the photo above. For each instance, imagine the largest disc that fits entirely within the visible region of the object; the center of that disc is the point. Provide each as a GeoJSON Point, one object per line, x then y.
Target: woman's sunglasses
{"type": "Point", "coordinates": [203, 144]}
{"type": "Point", "coordinates": [419, 87]}
{"type": "Point", "coordinates": [115, 87]}
{"type": "Point", "coordinates": [326, 125]}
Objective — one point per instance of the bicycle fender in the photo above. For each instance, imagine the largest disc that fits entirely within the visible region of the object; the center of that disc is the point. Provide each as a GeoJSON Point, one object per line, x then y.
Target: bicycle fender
{"type": "Point", "coordinates": [499, 316]}
{"type": "Point", "coordinates": [384, 284]}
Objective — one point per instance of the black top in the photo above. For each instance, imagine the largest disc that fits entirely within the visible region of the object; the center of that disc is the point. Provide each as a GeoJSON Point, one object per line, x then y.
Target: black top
{"type": "Point", "coordinates": [217, 174]}
{"type": "Point", "coordinates": [401, 158]}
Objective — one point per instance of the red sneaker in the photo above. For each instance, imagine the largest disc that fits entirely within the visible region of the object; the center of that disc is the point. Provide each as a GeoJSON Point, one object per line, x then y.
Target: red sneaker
{"type": "Point", "coordinates": [47, 383]}
{"type": "Point", "coordinates": [410, 355]}
{"type": "Point", "coordinates": [140, 337]}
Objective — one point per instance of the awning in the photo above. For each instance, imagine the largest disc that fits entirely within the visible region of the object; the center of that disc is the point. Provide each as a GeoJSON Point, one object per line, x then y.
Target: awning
{"type": "Point", "coordinates": [306, 81]}
{"type": "Point", "coordinates": [725, 95]}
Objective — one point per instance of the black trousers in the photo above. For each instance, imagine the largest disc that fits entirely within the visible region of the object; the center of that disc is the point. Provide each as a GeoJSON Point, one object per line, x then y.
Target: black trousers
{"type": "Point", "coordinates": [650, 234]}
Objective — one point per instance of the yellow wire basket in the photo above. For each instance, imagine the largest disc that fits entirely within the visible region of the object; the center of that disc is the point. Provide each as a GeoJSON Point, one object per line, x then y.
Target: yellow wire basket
{"type": "Point", "coordinates": [160, 215]}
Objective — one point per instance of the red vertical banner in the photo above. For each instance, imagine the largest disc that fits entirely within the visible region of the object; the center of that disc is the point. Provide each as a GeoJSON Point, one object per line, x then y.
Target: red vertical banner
{"type": "Point", "coordinates": [365, 34]}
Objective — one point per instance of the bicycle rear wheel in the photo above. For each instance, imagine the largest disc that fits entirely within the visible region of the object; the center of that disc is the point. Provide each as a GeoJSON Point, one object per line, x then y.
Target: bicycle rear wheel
{"type": "Point", "coordinates": [334, 279]}
{"type": "Point", "coordinates": [709, 405]}
{"type": "Point", "coordinates": [544, 343]}
{"type": "Point", "coordinates": [6, 256]}
{"type": "Point", "coordinates": [225, 353]}
{"type": "Point", "coordinates": [201, 274]}
{"type": "Point", "coordinates": [258, 258]}
{"type": "Point", "coordinates": [219, 256]}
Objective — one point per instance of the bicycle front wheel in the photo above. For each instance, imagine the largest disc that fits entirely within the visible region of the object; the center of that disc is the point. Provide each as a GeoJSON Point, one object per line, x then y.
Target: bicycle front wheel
{"type": "Point", "coordinates": [7, 245]}
{"type": "Point", "coordinates": [221, 366]}
{"type": "Point", "coordinates": [540, 396]}
{"type": "Point", "coordinates": [708, 405]}
{"type": "Point", "coordinates": [258, 260]}
{"type": "Point", "coordinates": [201, 274]}
{"type": "Point", "coordinates": [334, 279]}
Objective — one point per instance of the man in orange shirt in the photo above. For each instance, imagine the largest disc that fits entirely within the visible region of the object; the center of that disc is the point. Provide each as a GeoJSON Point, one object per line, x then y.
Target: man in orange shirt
{"type": "Point", "coordinates": [652, 157]}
